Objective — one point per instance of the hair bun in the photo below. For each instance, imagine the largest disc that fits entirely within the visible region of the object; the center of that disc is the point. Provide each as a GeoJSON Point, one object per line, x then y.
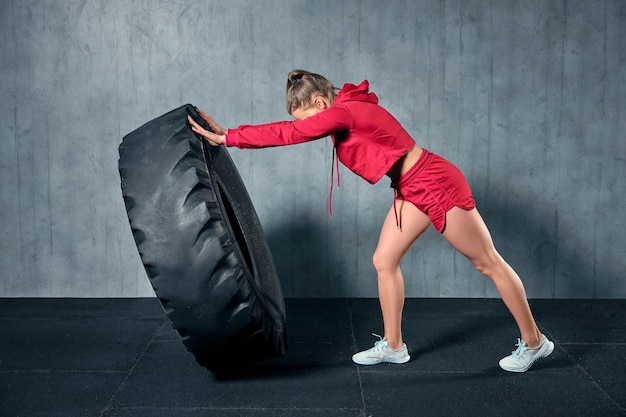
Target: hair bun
{"type": "Point", "coordinates": [296, 75]}
{"type": "Point", "coordinates": [302, 85]}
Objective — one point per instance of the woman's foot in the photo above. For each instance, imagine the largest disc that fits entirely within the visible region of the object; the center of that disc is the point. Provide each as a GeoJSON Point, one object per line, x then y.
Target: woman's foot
{"type": "Point", "coordinates": [381, 352]}
{"type": "Point", "coordinates": [522, 358]}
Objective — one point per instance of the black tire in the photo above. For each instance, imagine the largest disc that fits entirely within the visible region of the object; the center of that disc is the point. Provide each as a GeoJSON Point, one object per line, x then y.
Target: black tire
{"type": "Point", "coordinates": [201, 243]}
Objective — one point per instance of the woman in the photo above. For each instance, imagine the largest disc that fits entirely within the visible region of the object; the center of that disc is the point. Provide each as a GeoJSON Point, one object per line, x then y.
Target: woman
{"type": "Point", "coordinates": [428, 189]}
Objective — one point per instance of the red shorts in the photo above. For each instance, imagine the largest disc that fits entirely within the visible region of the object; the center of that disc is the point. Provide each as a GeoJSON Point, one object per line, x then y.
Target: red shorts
{"type": "Point", "coordinates": [434, 186]}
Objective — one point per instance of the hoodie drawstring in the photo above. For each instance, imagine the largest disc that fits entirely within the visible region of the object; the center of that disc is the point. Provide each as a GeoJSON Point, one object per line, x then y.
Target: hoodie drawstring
{"type": "Point", "coordinates": [335, 161]}
{"type": "Point", "coordinates": [334, 166]}
{"type": "Point", "coordinates": [396, 194]}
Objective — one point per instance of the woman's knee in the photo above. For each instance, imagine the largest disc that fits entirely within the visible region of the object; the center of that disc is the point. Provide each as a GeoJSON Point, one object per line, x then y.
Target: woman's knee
{"type": "Point", "coordinates": [383, 263]}
{"type": "Point", "coordinates": [489, 262]}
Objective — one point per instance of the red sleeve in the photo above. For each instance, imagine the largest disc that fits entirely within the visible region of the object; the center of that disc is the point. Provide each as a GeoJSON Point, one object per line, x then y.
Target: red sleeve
{"type": "Point", "coordinates": [330, 121]}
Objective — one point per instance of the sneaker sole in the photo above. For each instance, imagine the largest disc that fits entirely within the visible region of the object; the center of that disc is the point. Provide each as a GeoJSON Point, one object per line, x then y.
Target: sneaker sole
{"type": "Point", "coordinates": [386, 360]}
{"type": "Point", "coordinates": [543, 353]}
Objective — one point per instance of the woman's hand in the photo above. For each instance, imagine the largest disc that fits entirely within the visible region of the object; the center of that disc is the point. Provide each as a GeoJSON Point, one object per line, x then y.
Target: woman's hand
{"type": "Point", "coordinates": [212, 124]}
{"type": "Point", "coordinates": [212, 138]}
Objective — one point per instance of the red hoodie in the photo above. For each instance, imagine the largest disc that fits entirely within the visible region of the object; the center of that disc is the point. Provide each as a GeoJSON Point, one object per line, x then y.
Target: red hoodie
{"type": "Point", "coordinates": [367, 138]}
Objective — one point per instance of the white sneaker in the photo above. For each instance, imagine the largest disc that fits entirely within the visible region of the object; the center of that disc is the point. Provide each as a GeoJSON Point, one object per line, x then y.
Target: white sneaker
{"type": "Point", "coordinates": [522, 358]}
{"type": "Point", "coordinates": [381, 352]}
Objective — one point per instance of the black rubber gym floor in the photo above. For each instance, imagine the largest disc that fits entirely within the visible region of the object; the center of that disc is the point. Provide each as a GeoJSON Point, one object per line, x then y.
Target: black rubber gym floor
{"type": "Point", "coordinates": [120, 357]}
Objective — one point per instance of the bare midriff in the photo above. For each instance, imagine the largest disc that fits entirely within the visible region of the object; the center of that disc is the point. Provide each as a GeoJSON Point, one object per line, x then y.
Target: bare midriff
{"type": "Point", "coordinates": [405, 163]}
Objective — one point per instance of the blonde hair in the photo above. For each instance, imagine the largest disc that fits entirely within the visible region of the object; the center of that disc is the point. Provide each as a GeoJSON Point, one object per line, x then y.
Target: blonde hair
{"type": "Point", "coordinates": [302, 85]}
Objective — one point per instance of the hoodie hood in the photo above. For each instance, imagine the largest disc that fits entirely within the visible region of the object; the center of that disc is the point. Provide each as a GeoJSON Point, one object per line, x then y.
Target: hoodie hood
{"type": "Point", "coordinates": [351, 92]}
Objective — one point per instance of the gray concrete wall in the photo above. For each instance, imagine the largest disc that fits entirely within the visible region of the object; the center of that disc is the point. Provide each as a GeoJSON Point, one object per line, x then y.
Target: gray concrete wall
{"type": "Point", "coordinates": [527, 98]}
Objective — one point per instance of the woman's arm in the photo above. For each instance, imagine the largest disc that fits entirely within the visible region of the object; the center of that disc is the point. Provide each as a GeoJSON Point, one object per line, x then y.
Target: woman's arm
{"type": "Point", "coordinates": [330, 121]}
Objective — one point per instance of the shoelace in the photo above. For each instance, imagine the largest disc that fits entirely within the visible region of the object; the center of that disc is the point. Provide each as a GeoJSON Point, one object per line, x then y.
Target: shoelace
{"type": "Point", "coordinates": [379, 344]}
{"type": "Point", "coordinates": [521, 348]}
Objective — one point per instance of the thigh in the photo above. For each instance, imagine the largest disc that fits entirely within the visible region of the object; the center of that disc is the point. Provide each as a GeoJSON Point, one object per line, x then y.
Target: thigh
{"type": "Point", "coordinates": [466, 231]}
{"type": "Point", "coordinates": [393, 243]}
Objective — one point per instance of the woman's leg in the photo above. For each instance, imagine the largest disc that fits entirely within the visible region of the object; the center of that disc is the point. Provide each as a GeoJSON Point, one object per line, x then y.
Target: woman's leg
{"type": "Point", "coordinates": [393, 244]}
{"type": "Point", "coordinates": [466, 231]}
